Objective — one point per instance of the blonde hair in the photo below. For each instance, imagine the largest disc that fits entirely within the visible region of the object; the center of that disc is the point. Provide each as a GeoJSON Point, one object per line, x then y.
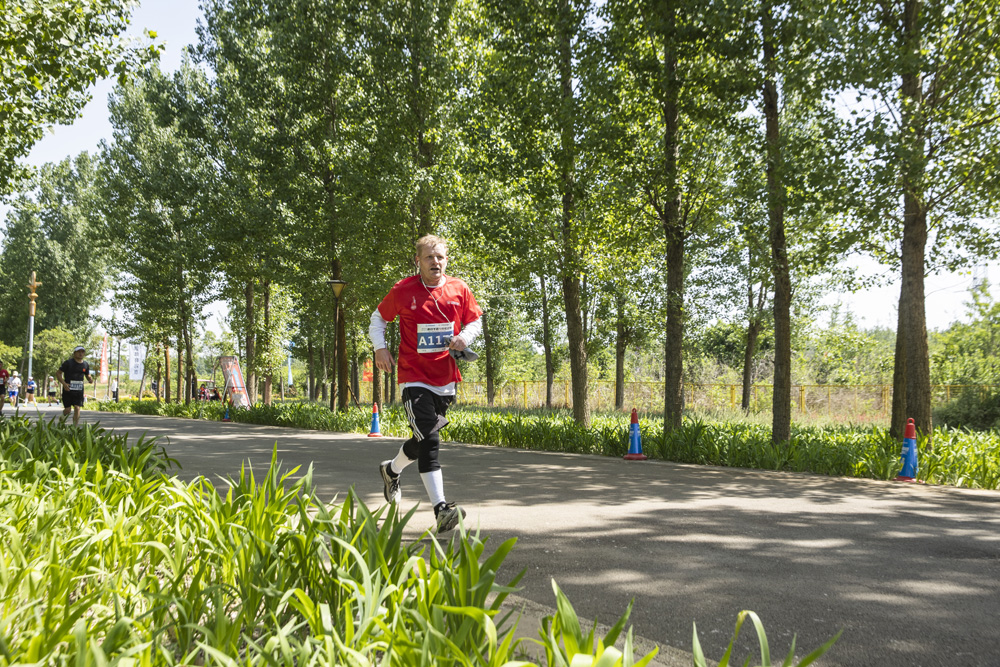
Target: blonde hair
{"type": "Point", "coordinates": [429, 241]}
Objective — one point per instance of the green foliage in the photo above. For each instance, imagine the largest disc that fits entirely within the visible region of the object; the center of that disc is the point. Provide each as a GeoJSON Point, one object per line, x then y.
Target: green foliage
{"type": "Point", "coordinates": [108, 559]}
{"type": "Point", "coordinates": [52, 348]}
{"type": "Point", "coordinates": [969, 352]}
{"type": "Point", "coordinates": [51, 230]}
{"type": "Point", "coordinates": [52, 52]}
{"type": "Point", "coordinates": [765, 650]}
{"type": "Point", "coordinates": [9, 356]}
{"type": "Point", "coordinates": [974, 408]}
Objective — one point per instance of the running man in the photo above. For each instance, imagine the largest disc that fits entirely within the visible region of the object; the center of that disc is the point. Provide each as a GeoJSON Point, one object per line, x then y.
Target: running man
{"type": "Point", "coordinates": [438, 319]}
{"type": "Point", "coordinates": [29, 392]}
{"type": "Point", "coordinates": [4, 379]}
{"type": "Point", "coordinates": [50, 393]}
{"type": "Point", "coordinates": [70, 375]}
{"type": "Point", "coordinates": [14, 387]}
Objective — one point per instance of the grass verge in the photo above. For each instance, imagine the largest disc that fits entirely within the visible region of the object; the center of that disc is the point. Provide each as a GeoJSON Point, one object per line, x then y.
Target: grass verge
{"type": "Point", "coordinates": [958, 458]}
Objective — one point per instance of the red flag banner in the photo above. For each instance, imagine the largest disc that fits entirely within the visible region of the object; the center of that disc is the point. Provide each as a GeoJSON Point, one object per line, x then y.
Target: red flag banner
{"type": "Point", "coordinates": [235, 386]}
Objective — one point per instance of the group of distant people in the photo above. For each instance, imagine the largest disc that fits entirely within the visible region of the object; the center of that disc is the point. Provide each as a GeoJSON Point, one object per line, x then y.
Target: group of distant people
{"type": "Point", "coordinates": [205, 394]}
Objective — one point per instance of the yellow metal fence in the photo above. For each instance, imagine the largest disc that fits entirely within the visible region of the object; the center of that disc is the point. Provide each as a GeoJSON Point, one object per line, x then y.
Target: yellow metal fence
{"type": "Point", "coordinates": [813, 399]}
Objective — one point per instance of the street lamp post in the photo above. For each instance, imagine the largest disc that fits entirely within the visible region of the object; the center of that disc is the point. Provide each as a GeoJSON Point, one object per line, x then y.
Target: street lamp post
{"type": "Point", "coordinates": [339, 399]}
{"type": "Point", "coordinates": [32, 295]}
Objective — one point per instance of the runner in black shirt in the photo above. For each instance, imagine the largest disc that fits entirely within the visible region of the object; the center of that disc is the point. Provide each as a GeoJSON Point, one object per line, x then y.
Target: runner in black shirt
{"type": "Point", "coordinates": [70, 375]}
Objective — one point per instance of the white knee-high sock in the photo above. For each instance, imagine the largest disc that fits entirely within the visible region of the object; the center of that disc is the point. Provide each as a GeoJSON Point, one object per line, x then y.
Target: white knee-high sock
{"type": "Point", "coordinates": [400, 462]}
{"type": "Point", "coordinates": [434, 483]}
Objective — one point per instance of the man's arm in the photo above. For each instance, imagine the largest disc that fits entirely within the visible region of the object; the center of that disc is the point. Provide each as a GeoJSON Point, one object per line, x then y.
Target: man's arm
{"type": "Point", "coordinates": [376, 332]}
{"type": "Point", "coordinates": [470, 332]}
{"type": "Point", "coordinates": [59, 379]}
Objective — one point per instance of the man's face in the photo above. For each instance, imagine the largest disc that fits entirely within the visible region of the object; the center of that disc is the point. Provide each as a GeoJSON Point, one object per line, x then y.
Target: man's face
{"type": "Point", "coordinates": [79, 355]}
{"type": "Point", "coordinates": [432, 262]}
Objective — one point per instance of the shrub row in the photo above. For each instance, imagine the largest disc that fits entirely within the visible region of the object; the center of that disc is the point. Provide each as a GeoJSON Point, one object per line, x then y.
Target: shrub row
{"type": "Point", "coordinates": [958, 457]}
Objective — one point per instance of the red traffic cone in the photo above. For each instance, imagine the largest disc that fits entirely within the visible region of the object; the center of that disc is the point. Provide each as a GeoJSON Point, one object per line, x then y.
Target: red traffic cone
{"type": "Point", "coordinates": [375, 430]}
{"type": "Point", "coordinates": [908, 459]}
{"type": "Point", "coordinates": [634, 440]}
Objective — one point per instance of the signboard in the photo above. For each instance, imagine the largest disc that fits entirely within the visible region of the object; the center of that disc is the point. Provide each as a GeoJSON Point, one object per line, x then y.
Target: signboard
{"type": "Point", "coordinates": [104, 360]}
{"type": "Point", "coordinates": [136, 360]}
{"type": "Point", "coordinates": [235, 387]}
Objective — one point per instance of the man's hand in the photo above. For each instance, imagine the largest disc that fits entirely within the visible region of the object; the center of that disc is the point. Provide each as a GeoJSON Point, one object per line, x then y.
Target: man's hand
{"type": "Point", "coordinates": [384, 361]}
{"type": "Point", "coordinates": [90, 379]}
{"type": "Point", "coordinates": [457, 343]}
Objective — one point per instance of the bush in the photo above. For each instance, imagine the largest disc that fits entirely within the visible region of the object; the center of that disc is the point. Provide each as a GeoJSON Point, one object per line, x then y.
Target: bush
{"type": "Point", "coordinates": [974, 408]}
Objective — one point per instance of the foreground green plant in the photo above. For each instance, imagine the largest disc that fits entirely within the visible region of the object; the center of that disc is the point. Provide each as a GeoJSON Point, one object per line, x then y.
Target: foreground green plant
{"type": "Point", "coordinates": [107, 559]}
{"type": "Point", "coordinates": [765, 650]}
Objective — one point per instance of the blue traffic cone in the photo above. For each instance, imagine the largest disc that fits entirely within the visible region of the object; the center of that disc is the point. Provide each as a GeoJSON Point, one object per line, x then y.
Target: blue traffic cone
{"type": "Point", "coordinates": [634, 440]}
{"type": "Point", "coordinates": [375, 430]}
{"type": "Point", "coordinates": [909, 456]}
{"type": "Point", "coordinates": [225, 415]}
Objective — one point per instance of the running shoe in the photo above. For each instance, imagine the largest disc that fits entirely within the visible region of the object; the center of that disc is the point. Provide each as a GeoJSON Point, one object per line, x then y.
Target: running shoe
{"type": "Point", "coordinates": [447, 515]}
{"type": "Point", "coordinates": [391, 483]}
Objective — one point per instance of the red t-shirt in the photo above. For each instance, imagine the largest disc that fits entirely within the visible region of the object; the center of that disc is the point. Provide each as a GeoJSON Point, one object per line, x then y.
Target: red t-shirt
{"type": "Point", "coordinates": [427, 317]}
{"type": "Point", "coordinates": [4, 375]}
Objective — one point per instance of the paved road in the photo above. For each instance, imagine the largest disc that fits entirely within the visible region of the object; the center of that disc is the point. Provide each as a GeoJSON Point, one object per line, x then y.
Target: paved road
{"type": "Point", "coordinates": [909, 572]}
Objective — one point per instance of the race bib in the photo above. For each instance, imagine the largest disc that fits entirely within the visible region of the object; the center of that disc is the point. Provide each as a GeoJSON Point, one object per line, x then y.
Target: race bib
{"type": "Point", "coordinates": [434, 337]}
{"type": "Point", "coordinates": [76, 385]}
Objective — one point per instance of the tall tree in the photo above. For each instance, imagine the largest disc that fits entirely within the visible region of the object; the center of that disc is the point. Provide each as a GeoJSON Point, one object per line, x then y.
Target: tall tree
{"type": "Point", "coordinates": [53, 231]}
{"type": "Point", "coordinates": [927, 74]}
{"type": "Point", "coordinates": [52, 52]}
{"type": "Point", "coordinates": [154, 179]}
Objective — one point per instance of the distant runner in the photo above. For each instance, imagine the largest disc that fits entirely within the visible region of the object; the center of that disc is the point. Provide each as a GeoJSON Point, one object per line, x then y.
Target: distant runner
{"type": "Point", "coordinates": [29, 390]}
{"type": "Point", "coordinates": [14, 388]}
{"type": "Point", "coordinates": [50, 393]}
{"type": "Point", "coordinates": [438, 319]}
{"type": "Point", "coordinates": [4, 379]}
{"type": "Point", "coordinates": [70, 376]}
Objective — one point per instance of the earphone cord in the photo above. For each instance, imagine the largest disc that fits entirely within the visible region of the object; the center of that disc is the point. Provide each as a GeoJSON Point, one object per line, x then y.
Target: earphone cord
{"type": "Point", "coordinates": [431, 294]}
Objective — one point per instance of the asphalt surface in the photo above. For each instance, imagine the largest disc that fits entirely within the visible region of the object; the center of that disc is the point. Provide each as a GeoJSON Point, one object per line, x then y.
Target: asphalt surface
{"type": "Point", "coordinates": [908, 572]}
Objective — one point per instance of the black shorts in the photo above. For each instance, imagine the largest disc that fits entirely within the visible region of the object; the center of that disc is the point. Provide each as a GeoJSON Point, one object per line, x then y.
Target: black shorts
{"type": "Point", "coordinates": [425, 411]}
{"type": "Point", "coordinates": [72, 398]}
{"type": "Point", "coordinates": [52, 394]}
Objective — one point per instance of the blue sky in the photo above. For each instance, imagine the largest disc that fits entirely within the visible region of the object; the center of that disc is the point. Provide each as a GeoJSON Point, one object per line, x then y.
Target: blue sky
{"type": "Point", "coordinates": [175, 21]}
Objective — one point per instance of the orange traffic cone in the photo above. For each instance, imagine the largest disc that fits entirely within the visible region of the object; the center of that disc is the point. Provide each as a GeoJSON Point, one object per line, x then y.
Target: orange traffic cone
{"type": "Point", "coordinates": [375, 430]}
{"type": "Point", "coordinates": [635, 440]}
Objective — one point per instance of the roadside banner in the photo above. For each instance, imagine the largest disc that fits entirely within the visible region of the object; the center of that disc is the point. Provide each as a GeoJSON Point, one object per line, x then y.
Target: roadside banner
{"type": "Point", "coordinates": [136, 360]}
{"type": "Point", "coordinates": [103, 367]}
{"type": "Point", "coordinates": [234, 381]}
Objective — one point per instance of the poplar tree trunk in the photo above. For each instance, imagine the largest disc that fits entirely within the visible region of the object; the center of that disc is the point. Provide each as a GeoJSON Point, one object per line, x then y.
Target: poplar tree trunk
{"type": "Point", "coordinates": [620, 355]}
{"type": "Point", "coordinates": [180, 365]}
{"type": "Point", "coordinates": [488, 353]}
{"type": "Point", "coordinates": [342, 363]}
{"type": "Point", "coordinates": [547, 346]}
{"type": "Point", "coordinates": [251, 366]}
{"type": "Point", "coordinates": [376, 385]}
{"type": "Point", "coordinates": [268, 371]}
{"type": "Point", "coordinates": [781, 424]}
{"type": "Point", "coordinates": [323, 365]}
{"type": "Point", "coordinates": [312, 369]}
{"type": "Point", "coordinates": [674, 233]}
{"type": "Point", "coordinates": [915, 379]}
{"type": "Point", "coordinates": [166, 384]}
{"type": "Point", "coordinates": [571, 268]}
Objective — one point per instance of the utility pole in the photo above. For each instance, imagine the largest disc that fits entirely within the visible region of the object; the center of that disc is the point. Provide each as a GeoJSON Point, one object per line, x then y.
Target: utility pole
{"type": "Point", "coordinates": [32, 295]}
